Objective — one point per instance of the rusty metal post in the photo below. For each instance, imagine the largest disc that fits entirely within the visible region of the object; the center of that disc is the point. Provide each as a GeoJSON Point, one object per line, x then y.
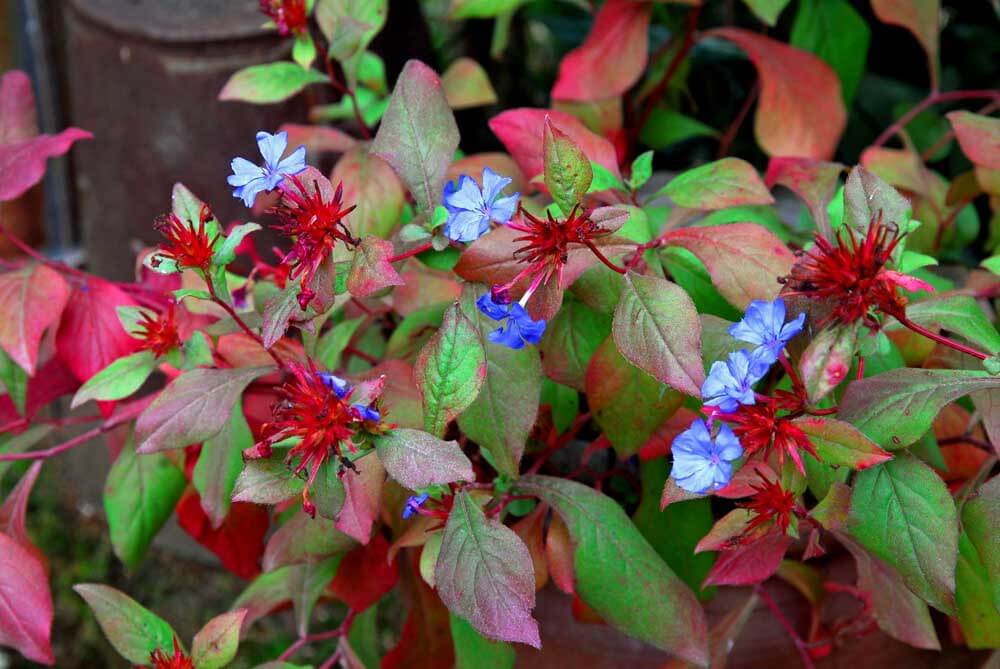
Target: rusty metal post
{"type": "Point", "coordinates": [143, 76]}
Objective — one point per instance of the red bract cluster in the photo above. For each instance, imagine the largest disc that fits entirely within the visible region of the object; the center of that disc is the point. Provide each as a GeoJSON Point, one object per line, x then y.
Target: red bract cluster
{"type": "Point", "coordinates": [851, 277]}
{"type": "Point", "coordinates": [316, 224]}
{"type": "Point", "coordinates": [160, 660]}
{"type": "Point", "coordinates": [771, 502]}
{"type": "Point", "coordinates": [187, 245]}
{"type": "Point", "coordinates": [290, 16]}
{"type": "Point", "coordinates": [761, 430]}
{"type": "Point", "coordinates": [158, 333]}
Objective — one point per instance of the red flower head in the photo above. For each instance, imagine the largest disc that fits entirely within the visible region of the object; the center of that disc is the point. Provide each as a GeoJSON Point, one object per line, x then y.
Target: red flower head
{"type": "Point", "coordinates": [178, 660]}
{"type": "Point", "coordinates": [186, 245]}
{"type": "Point", "coordinates": [315, 407]}
{"type": "Point", "coordinates": [158, 333]}
{"type": "Point", "coordinates": [761, 430]}
{"type": "Point", "coordinates": [316, 224]}
{"type": "Point", "coordinates": [770, 502]}
{"type": "Point", "coordinates": [291, 16]}
{"type": "Point", "coordinates": [852, 276]}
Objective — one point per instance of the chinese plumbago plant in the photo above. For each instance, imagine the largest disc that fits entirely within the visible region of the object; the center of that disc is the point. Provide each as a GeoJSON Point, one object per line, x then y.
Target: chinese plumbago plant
{"type": "Point", "coordinates": [464, 377]}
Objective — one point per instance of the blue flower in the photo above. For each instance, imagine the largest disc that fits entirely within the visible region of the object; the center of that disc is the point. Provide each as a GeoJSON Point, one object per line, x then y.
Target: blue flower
{"type": "Point", "coordinates": [702, 464]}
{"type": "Point", "coordinates": [520, 329]}
{"type": "Point", "coordinates": [250, 179]}
{"type": "Point", "coordinates": [764, 324]}
{"type": "Point", "coordinates": [413, 504]}
{"type": "Point", "coordinates": [470, 209]}
{"type": "Point", "coordinates": [730, 384]}
{"type": "Point", "coordinates": [338, 385]}
{"type": "Point", "coordinates": [368, 413]}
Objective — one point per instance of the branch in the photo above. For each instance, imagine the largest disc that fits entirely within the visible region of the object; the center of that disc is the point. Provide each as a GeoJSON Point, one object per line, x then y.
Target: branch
{"type": "Point", "coordinates": [239, 321]}
{"type": "Point", "coordinates": [930, 100]}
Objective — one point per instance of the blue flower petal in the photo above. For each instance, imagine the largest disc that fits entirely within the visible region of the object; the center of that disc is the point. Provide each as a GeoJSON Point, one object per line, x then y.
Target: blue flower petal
{"type": "Point", "coordinates": [271, 147]}
{"type": "Point", "coordinates": [294, 163]}
{"type": "Point", "coordinates": [503, 209]}
{"type": "Point", "coordinates": [508, 337]}
{"type": "Point", "coordinates": [493, 185]}
{"type": "Point", "coordinates": [467, 196]}
{"type": "Point", "coordinates": [465, 225]}
{"type": "Point", "coordinates": [494, 310]}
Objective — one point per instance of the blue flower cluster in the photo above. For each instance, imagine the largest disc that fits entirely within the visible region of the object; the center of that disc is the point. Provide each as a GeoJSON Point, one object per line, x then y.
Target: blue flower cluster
{"type": "Point", "coordinates": [520, 329]}
{"type": "Point", "coordinates": [471, 208]}
{"type": "Point", "coordinates": [413, 505]}
{"type": "Point", "coordinates": [703, 463]}
{"type": "Point", "coordinates": [250, 180]}
{"type": "Point", "coordinates": [341, 388]}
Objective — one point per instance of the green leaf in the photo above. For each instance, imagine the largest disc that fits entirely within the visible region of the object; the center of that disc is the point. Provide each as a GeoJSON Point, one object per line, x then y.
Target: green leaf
{"type": "Point", "coordinates": [980, 519]}
{"type": "Point", "coordinates": [273, 82]}
{"type": "Point", "coordinates": [139, 496]}
{"type": "Point", "coordinates": [903, 513]}
{"type": "Point", "coordinates": [327, 491]}
{"type": "Point", "coordinates": [215, 644]}
{"type": "Point", "coordinates": [835, 32]}
{"type": "Point", "coordinates": [303, 53]}
{"type": "Point", "coordinates": [567, 170]}
{"type": "Point", "coordinates": [627, 403]}
{"type": "Point", "coordinates": [657, 329]}
{"type": "Point", "coordinates": [418, 460]}
{"type": "Point", "coordinates": [482, 9]}
{"type": "Point", "coordinates": [18, 443]}
{"type": "Point", "coordinates": [220, 464]}
{"type": "Point", "coordinates": [306, 584]}
{"type": "Point", "coordinates": [485, 575]}
{"type": "Point", "coordinates": [666, 127]}
{"type": "Point", "coordinates": [266, 482]}
{"type": "Point", "coordinates": [603, 179]}
{"type": "Point", "coordinates": [642, 169]}
{"type": "Point", "coordinates": [688, 272]}
{"type": "Point", "coordinates": [192, 408]}
{"type": "Point", "coordinates": [15, 381]}
{"type": "Point", "coordinates": [840, 443]}
{"type": "Point", "coordinates": [474, 651]}
{"type": "Point", "coordinates": [349, 27]}
{"type": "Point", "coordinates": [648, 601]}
{"type": "Point", "coordinates": [960, 314]}
{"type": "Point", "coordinates": [332, 344]}
{"type": "Point", "coordinates": [118, 380]}
{"type": "Point", "coordinates": [134, 631]}
{"type": "Point", "coordinates": [226, 253]}
{"type": "Point", "coordinates": [563, 401]}
{"type": "Point", "coordinates": [724, 183]}
{"type": "Point", "coordinates": [418, 135]}
{"type": "Point", "coordinates": [450, 371]}
{"type": "Point", "coordinates": [977, 612]}
{"type": "Point", "coordinates": [466, 84]}
{"type": "Point", "coordinates": [197, 351]}
{"type": "Point", "coordinates": [866, 196]}
{"type": "Point", "coordinates": [767, 10]}
{"type": "Point", "coordinates": [303, 539]}
{"type": "Point", "coordinates": [897, 407]}
{"type": "Point", "coordinates": [570, 341]}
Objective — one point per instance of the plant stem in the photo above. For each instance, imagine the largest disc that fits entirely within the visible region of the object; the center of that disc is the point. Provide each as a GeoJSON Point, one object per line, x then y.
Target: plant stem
{"type": "Point", "coordinates": [941, 339]}
{"type": "Point", "coordinates": [342, 88]}
{"type": "Point", "coordinates": [800, 645]}
{"type": "Point", "coordinates": [727, 137]}
{"type": "Point", "coordinates": [416, 250]}
{"type": "Point", "coordinates": [932, 99]}
{"type": "Point", "coordinates": [302, 641]}
{"type": "Point", "coordinates": [239, 321]}
{"type": "Point", "coordinates": [603, 259]}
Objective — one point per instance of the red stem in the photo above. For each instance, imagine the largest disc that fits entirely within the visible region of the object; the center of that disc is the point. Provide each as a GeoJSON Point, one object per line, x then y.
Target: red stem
{"type": "Point", "coordinates": [930, 100]}
{"type": "Point", "coordinates": [941, 339]}
{"type": "Point", "coordinates": [727, 137]}
{"type": "Point", "coordinates": [239, 321]}
{"type": "Point", "coordinates": [800, 644]}
{"type": "Point", "coordinates": [412, 252]}
{"type": "Point", "coordinates": [370, 359]}
{"type": "Point", "coordinates": [603, 259]}
{"type": "Point", "coordinates": [342, 88]}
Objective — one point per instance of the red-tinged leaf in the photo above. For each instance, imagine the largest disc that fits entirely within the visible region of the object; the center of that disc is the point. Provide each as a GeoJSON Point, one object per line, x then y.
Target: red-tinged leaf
{"type": "Point", "coordinates": [484, 574]}
{"type": "Point", "coordinates": [522, 131]}
{"type": "Point", "coordinates": [373, 188]}
{"type": "Point", "coordinates": [751, 563]}
{"type": "Point", "coordinates": [723, 635]}
{"type": "Point", "coordinates": [724, 530]}
{"type": "Point", "coordinates": [418, 135]}
{"type": "Point", "coordinates": [466, 84]}
{"type": "Point", "coordinates": [425, 642]}
{"type": "Point", "coordinates": [743, 259]}
{"type": "Point", "coordinates": [815, 181]}
{"type": "Point", "coordinates": [90, 336]}
{"type": "Point", "coordinates": [33, 299]}
{"type": "Point", "coordinates": [559, 555]}
{"type": "Point", "coordinates": [741, 485]}
{"type": "Point", "coordinates": [365, 575]}
{"type": "Point", "coordinates": [219, 465]}
{"type": "Point", "coordinates": [318, 138]}
{"type": "Point", "coordinates": [656, 328]}
{"type": "Point", "coordinates": [840, 443]}
{"type": "Point", "coordinates": [531, 529]}
{"type": "Point", "coordinates": [14, 508]}
{"type": "Point", "coordinates": [898, 612]}
{"type": "Point", "coordinates": [417, 459]}
{"type": "Point", "coordinates": [363, 497]}
{"type": "Point", "coordinates": [215, 644]}
{"type": "Point", "coordinates": [22, 164]}
{"type": "Point", "coordinates": [371, 270]}
{"type": "Point", "coordinates": [193, 408]}
{"type": "Point", "coordinates": [570, 340]}
{"type": "Point", "coordinates": [979, 137]}
{"type": "Point", "coordinates": [238, 541]}
{"type": "Point", "coordinates": [18, 120]}
{"type": "Point", "coordinates": [730, 182]}
{"type": "Point", "coordinates": [25, 603]}
{"type": "Point", "coordinates": [241, 350]}
{"type": "Point", "coordinates": [133, 630]}
{"type": "Point", "coordinates": [833, 510]}
{"type": "Point", "coordinates": [613, 56]}
{"type": "Point", "coordinates": [920, 17]}
{"type": "Point", "coordinates": [801, 112]}
{"type": "Point", "coordinates": [424, 288]}
{"type": "Point", "coordinates": [658, 445]}
{"type": "Point", "coordinates": [567, 171]}
{"type": "Point", "coordinates": [304, 539]}
{"type": "Point", "coordinates": [53, 380]}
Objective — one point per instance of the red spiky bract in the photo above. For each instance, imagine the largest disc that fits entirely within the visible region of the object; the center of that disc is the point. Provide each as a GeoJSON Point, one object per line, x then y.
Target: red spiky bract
{"type": "Point", "coordinates": [770, 503]}
{"type": "Point", "coordinates": [185, 243]}
{"type": "Point", "coordinates": [761, 431]}
{"type": "Point", "coordinates": [160, 660]}
{"type": "Point", "coordinates": [290, 16]}
{"type": "Point", "coordinates": [158, 333]}
{"type": "Point", "coordinates": [315, 225]}
{"type": "Point", "coordinates": [852, 277]}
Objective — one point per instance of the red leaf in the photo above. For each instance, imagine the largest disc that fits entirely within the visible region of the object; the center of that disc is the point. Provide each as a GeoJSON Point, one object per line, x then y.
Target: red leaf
{"type": "Point", "coordinates": [17, 108]}
{"type": "Point", "coordinates": [740, 486]}
{"type": "Point", "coordinates": [815, 181]}
{"type": "Point", "coordinates": [613, 56]}
{"type": "Point", "coordinates": [15, 507]}
{"type": "Point", "coordinates": [920, 17]}
{"type": "Point", "coordinates": [801, 112]}
{"type": "Point", "coordinates": [659, 444]}
{"type": "Point", "coordinates": [750, 564]}
{"type": "Point", "coordinates": [53, 380]}
{"type": "Point", "coordinates": [426, 639]}
{"type": "Point", "coordinates": [90, 336]}
{"type": "Point", "coordinates": [25, 603]}
{"type": "Point", "coordinates": [365, 575]}
{"type": "Point", "coordinates": [522, 131]}
{"type": "Point", "coordinates": [371, 270]}
{"type": "Point", "coordinates": [317, 138]}
{"type": "Point", "coordinates": [362, 499]}
{"type": "Point", "coordinates": [239, 541]}
{"type": "Point", "coordinates": [33, 299]}
{"type": "Point", "coordinates": [979, 137]}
